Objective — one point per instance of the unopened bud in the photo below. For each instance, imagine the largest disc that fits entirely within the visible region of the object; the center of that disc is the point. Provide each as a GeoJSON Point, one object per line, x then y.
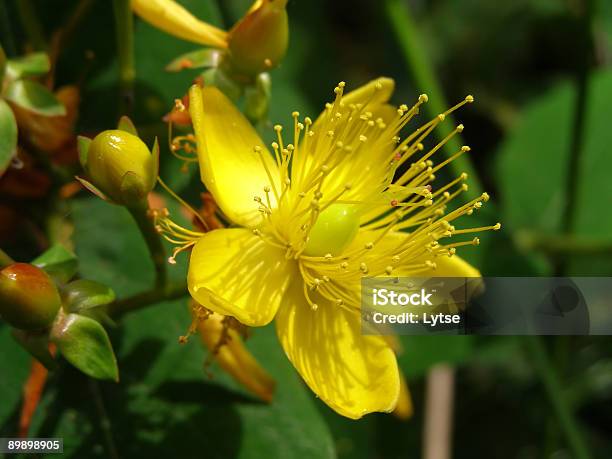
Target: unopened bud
{"type": "Point", "coordinates": [259, 40]}
{"type": "Point", "coordinates": [121, 166]}
{"type": "Point", "coordinates": [29, 299]}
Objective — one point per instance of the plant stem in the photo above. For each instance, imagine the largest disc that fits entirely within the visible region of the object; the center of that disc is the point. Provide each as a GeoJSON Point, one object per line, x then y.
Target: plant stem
{"type": "Point", "coordinates": [438, 430]}
{"type": "Point", "coordinates": [574, 166]}
{"type": "Point", "coordinates": [562, 411]}
{"type": "Point", "coordinates": [404, 28]}
{"type": "Point", "coordinates": [31, 24]}
{"type": "Point", "coordinates": [154, 243]}
{"type": "Point", "coordinates": [124, 25]}
{"type": "Point", "coordinates": [563, 244]}
{"type": "Point", "coordinates": [141, 300]}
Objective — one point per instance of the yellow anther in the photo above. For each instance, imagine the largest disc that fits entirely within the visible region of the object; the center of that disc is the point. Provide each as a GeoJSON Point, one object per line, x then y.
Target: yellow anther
{"type": "Point", "coordinates": [469, 99]}
{"type": "Point", "coordinates": [460, 128]}
{"type": "Point", "coordinates": [369, 245]}
{"type": "Point", "coordinates": [465, 148]}
{"type": "Point", "coordinates": [423, 98]}
{"type": "Point", "coordinates": [389, 269]}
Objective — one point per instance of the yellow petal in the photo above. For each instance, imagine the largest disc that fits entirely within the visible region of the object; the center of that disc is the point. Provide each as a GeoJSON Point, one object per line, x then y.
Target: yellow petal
{"type": "Point", "coordinates": [233, 272]}
{"type": "Point", "coordinates": [172, 18]}
{"type": "Point", "coordinates": [233, 356]}
{"type": "Point", "coordinates": [353, 373]}
{"type": "Point", "coordinates": [371, 163]}
{"type": "Point", "coordinates": [375, 92]}
{"type": "Point", "coordinates": [229, 167]}
{"type": "Point", "coordinates": [404, 408]}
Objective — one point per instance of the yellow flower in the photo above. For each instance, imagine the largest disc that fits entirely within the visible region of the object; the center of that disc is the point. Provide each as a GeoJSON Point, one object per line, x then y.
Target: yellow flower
{"type": "Point", "coordinates": [347, 198]}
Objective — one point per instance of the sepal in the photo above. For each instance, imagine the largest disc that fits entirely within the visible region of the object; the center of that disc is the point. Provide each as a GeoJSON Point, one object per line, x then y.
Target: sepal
{"type": "Point", "coordinates": [85, 344]}
{"type": "Point", "coordinates": [34, 64]}
{"type": "Point", "coordinates": [34, 97]}
{"type": "Point", "coordinates": [59, 262]}
{"type": "Point", "coordinates": [92, 188]}
{"type": "Point", "coordinates": [126, 124]}
{"type": "Point", "coordinates": [201, 58]}
{"type": "Point", "coordinates": [83, 295]}
{"type": "Point", "coordinates": [83, 144]}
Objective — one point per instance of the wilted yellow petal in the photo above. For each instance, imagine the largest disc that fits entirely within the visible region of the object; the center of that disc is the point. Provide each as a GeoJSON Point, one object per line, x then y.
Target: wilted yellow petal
{"type": "Point", "coordinates": [230, 168]}
{"type": "Point", "coordinates": [233, 272]}
{"type": "Point", "coordinates": [404, 408]}
{"type": "Point", "coordinates": [232, 355]}
{"type": "Point", "coordinates": [259, 40]}
{"type": "Point", "coordinates": [172, 18]}
{"type": "Point", "coordinates": [353, 373]}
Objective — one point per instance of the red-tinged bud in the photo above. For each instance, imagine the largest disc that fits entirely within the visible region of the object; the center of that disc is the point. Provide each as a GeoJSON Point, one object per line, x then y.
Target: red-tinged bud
{"type": "Point", "coordinates": [258, 42]}
{"type": "Point", "coordinates": [29, 299]}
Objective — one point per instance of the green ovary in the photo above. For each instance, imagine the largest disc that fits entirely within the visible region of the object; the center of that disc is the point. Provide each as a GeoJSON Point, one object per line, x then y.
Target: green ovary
{"type": "Point", "coordinates": [333, 231]}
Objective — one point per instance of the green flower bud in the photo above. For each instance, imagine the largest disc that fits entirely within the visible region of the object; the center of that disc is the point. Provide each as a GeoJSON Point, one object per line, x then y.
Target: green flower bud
{"type": "Point", "coordinates": [29, 299]}
{"type": "Point", "coordinates": [259, 40]}
{"type": "Point", "coordinates": [121, 166]}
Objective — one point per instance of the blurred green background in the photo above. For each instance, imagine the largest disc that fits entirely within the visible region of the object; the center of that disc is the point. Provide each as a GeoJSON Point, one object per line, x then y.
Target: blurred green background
{"type": "Point", "coordinates": [540, 133]}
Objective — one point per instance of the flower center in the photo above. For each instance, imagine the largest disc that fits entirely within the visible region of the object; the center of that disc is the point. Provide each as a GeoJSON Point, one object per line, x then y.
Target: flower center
{"type": "Point", "coordinates": [333, 231]}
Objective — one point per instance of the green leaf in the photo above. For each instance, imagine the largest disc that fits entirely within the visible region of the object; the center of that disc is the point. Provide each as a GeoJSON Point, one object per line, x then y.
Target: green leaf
{"type": "Point", "coordinates": [533, 168]}
{"type": "Point", "coordinates": [34, 64]}
{"type": "Point", "coordinates": [201, 58]}
{"type": "Point", "coordinates": [34, 97]}
{"type": "Point", "coordinates": [85, 294]}
{"type": "Point", "coordinates": [58, 262]}
{"type": "Point", "coordinates": [15, 362]}
{"type": "Point", "coordinates": [84, 343]}
{"type": "Point", "coordinates": [8, 136]}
